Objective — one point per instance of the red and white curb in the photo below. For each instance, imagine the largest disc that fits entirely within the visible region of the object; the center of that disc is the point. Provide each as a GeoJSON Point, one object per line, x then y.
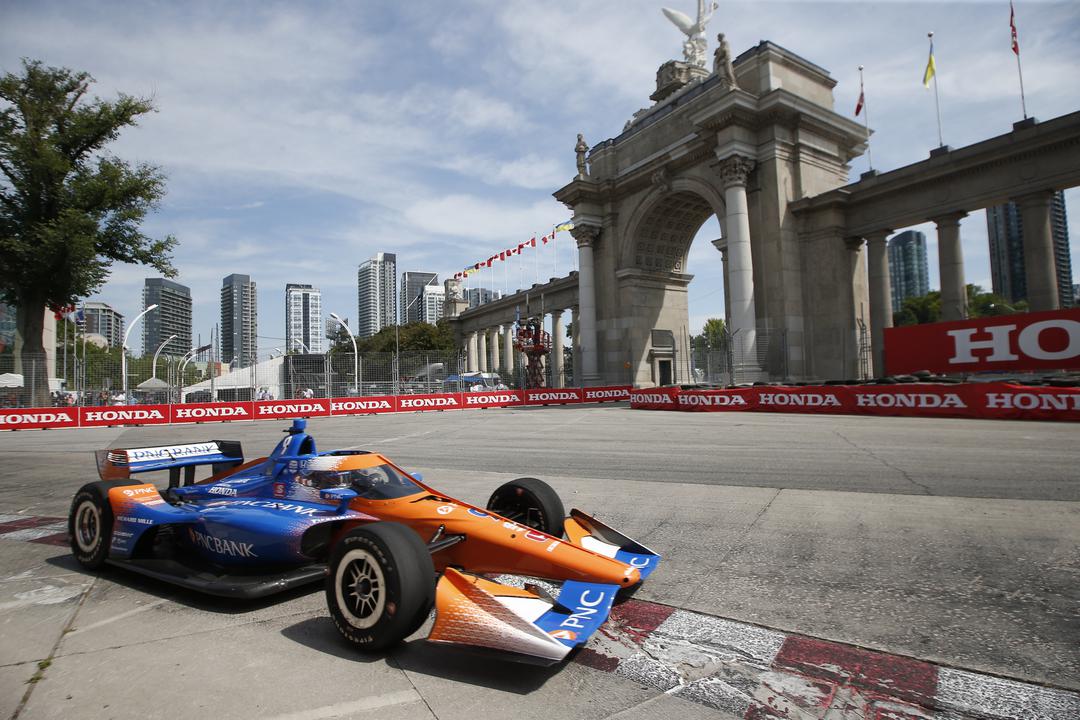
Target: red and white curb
{"type": "Point", "coordinates": [44, 530]}
{"type": "Point", "coordinates": [755, 673]}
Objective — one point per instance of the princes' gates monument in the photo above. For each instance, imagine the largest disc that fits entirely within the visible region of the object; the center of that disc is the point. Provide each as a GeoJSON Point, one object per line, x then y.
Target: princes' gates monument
{"type": "Point", "coordinates": [756, 142]}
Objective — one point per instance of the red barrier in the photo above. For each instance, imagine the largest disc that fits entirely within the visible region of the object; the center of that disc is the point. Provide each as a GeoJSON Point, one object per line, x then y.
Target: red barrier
{"type": "Point", "coordinates": [492, 398]}
{"type": "Point", "coordinates": [605, 394]}
{"type": "Point", "coordinates": [553, 396]}
{"type": "Point", "coordinates": [37, 418]}
{"type": "Point", "coordinates": [418, 403]}
{"type": "Point", "coordinates": [1006, 343]}
{"type": "Point", "coordinates": [213, 412]}
{"type": "Point", "coordinates": [123, 415]}
{"type": "Point", "coordinates": [368, 405]}
{"type": "Point", "coordinates": [271, 409]}
{"type": "Point", "coordinates": [970, 400]}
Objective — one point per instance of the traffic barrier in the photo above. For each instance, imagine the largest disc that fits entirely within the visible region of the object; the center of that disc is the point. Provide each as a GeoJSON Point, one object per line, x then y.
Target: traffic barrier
{"type": "Point", "coordinates": [1000, 401]}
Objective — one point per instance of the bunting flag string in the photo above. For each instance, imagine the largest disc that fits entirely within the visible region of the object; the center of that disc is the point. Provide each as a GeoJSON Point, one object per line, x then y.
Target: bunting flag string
{"type": "Point", "coordinates": [504, 255]}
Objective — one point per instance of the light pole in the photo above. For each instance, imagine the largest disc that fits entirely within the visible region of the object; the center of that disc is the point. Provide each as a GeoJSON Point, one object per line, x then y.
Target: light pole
{"type": "Point", "coordinates": [397, 334]}
{"type": "Point", "coordinates": [356, 355]}
{"type": "Point", "coordinates": [123, 353]}
{"type": "Point", "coordinates": [158, 352]}
{"type": "Point", "coordinates": [183, 364]}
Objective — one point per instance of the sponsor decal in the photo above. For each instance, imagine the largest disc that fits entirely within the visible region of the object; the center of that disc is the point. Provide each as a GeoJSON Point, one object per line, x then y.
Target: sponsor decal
{"type": "Point", "coordinates": [279, 490]}
{"type": "Point", "coordinates": [445, 509]}
{"type": "Point", "coordinates": [799, 399]}
{"type": "Point", "coordinates": [360, 405]}
{"type": "Point", "coordinates": [220, 546]}
{"type": "Point", "coordinates": [299, 408]}
{"type": "Point", "coordinates": [428, 402]}
{"type": "Point", "coordinates": [712, 400]}
{"type": "Point", "coordinates": [555, 396]}
{"type": "Point", "coordinates": [139, 491]}
{"type": "Point", "coordinates": [552, 546]}
{"type": "Point", "coordinates": [271, 505]}
{"type": "Point", "coordinates": [478, 513]}
{"type": "Point", "coordinates": [909, 400]}
{"type": "Point", "coordinates": [171, 452]}
{"type": "Point", "coordinates": [563, 634]}
{"type": "Point", "coordinates": [584, 610]}
{"type": "Point", "coordinates": [607, 393]}
{"type": "Point", "coordinates": [33, 417]}
{"type": "Point", "coordinates": [221, 490]}
{"type": "Point", "coordinates": [1032, 401]}
{"type": "Point", "coordinates": [134, 520]}
{"type": "Point", "coordinates": [536, 536]}
{"type": "Point", "coordinates": [652, 398]}
{"type": "Point", "coordinates": [182, 412]}
{"type": "Point", "coordinates": [490, 399]}
{"type": "Point", "coordinates": [123, 415]}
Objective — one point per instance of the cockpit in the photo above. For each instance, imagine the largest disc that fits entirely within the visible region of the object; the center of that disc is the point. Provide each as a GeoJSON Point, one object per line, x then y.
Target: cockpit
{"type": "Point", "coordinates": [378, 482]}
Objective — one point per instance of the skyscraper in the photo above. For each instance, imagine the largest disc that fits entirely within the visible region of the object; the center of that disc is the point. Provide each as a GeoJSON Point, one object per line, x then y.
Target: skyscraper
{"type": "Point", "coordinates": [172, 317]}
{"type": "Point", "coordinates": [376, 291]}
{"type": "Point", "coordinates": [303, 318]}
{"type": "Point", "coordinates": [431, 306]}
{"type": "Point", "coordinates": [481, 296]}
{"type": "Point", "coordinates": [908, 272]}
{"type": "Point", "coordinates": [101, 319]}
{"type": "Point", "coordinates": [1005, 228]}
{"type": "Point", "coordinates": [412, 285]}
{"type": "Point", "coordinates": [239, 320]}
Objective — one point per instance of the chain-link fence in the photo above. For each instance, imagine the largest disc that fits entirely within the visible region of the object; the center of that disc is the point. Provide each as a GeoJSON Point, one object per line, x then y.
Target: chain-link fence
{"type": "Point", "coordinates": [97, 378]}
{"type": "Point", "coordinates": [738, 359]}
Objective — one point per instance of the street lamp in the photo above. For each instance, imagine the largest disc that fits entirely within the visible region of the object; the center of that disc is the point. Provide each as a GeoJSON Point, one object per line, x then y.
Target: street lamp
{"type": "Point", "coordinates": [183, 364]}
{"type": "Point", "coordinates": [158, 352]}
{"type": "Point", "coordinates": [123, 352]}
{"type": "Point", "coordinates": [397, 343]}
{"type": "Point", "coordinates": [356, 355]}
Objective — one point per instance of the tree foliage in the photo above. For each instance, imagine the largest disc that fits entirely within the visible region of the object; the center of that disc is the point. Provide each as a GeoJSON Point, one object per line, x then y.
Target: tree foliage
{"type": "Point", "coordinates": [417, 337]}
{"type": "Point", "coordinates": [711, 337]}
{"type": "Point", "coordinates": [68, 209]}
{"type": "Point", "coordinates": [927, 308]}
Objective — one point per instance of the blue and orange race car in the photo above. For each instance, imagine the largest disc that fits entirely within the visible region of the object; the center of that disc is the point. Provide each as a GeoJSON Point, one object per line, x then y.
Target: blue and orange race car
{"type": "Point", "coordinates": [387, 546]}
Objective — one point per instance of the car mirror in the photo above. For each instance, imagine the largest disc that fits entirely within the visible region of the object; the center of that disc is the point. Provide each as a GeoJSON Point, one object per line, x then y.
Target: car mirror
{"type": "Point", "coordinates": [341, 496]}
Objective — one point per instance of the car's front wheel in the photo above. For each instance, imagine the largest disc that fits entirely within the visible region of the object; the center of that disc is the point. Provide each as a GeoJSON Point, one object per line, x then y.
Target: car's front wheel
{"type": "Point", "coordinates": [381, 584]}
{"type": "Point", "coordinates": [531, 502]}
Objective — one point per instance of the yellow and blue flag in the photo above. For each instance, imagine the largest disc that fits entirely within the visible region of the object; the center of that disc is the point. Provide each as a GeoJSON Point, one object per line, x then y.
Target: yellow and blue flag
{"type": "Point", "coordinates": [568, 225]}
{"type": "Point", "coordinates": [931, 68]}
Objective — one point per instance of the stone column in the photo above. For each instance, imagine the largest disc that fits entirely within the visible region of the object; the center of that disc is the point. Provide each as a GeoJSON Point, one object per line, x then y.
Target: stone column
{"type": "Point", "coordinates": [951, 267]}
{"type": "Point", "coordinates": [586, 236]}
{"type": "Point", "coordinates": [575, 320]}
{"type": "Point", "coordinates": [557, 377]}
{"type": "Point", "coordinates": [734, 171]}
{"type": "Point", "coordinates": [496, 346]}
{"type": "Point", "coordinates": [880, 295]}
{"type": "Point", "coordinates": [1040, 271]}
{"type": "Point", "coordinates": [482, 350]}
{"type": "Point", "coordinates": [508, 351]}
{"type": "Point", "coordinates": [470, 353]}
{"type": "Point", "coordinates": [721, 245]}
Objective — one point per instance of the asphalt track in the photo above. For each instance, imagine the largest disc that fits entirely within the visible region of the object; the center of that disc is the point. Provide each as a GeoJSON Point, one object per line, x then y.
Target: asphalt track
{"type": "Point", "coordinates": [910, 543]}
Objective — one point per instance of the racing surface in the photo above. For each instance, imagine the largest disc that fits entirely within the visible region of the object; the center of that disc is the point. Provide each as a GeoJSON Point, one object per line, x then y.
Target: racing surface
{"type": "Point", "coordinates": [938, 553]}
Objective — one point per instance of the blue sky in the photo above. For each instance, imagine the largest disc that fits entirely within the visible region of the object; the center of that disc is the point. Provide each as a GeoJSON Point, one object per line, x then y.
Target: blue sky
{"type": "Point", "coordinates": [300, 138]}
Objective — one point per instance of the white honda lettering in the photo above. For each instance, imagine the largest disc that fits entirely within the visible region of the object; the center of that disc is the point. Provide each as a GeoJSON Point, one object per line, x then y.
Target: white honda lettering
{"type": "Point", "coordinates": [1031, 401]}
{"type": "Point", "coordinates": [210, 412]}
{"type": "Point", "coordinates": [291, 409]}
{"type": "Point", "coordinates": [1031, 345]}
{"type": "Point", "coordinates": [27, 418]}
{"type": "Point", "coordinates": [488, 399]}
{"type": "Point", "coordinates": [361, 405]}
{"type": "Point", "coordinates": [998, 344]}
{"type": "Point", "coordinates": [800, 400]}
{"type": "Point", "coordinates": [112, 415]}
{"type": "Point", "coordinates": [428, 402]}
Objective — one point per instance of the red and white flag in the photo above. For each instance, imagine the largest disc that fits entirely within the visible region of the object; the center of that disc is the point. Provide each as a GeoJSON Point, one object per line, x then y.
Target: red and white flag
{"type": "Point", "coordinates": [859, 105]}
{"type": "Point", "coordinates": [1012, 27]}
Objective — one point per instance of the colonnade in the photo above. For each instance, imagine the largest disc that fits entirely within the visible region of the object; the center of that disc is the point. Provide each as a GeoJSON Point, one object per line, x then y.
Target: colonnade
{"type": "Point", "coordinates": [1038, 264]}
{"type": "Point", "coordinates": [492, 349]}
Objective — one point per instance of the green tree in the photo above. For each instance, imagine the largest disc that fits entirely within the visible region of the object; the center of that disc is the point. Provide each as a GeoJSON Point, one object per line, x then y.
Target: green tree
{"type": "Point", "coordinates": [68, 210]}
{"type": "Point", "coordinates": [919, 310]}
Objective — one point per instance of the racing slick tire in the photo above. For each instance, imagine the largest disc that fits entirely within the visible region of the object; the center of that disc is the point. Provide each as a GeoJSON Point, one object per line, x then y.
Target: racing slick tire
{"type": "Point", "coordinates": [381, 584]}
{"type": "Point", "coordinates": [531, 502]}
{"type": "Point", "coordinates": [90, 523]}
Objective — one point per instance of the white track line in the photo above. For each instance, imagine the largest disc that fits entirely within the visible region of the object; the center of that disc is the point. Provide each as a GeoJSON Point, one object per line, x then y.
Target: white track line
{"type": "Point", "coordinates": [990, 697]}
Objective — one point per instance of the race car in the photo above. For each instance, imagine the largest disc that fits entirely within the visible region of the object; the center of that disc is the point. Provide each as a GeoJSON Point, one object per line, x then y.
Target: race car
{"type": "Point", "coordinates": [387, 546]}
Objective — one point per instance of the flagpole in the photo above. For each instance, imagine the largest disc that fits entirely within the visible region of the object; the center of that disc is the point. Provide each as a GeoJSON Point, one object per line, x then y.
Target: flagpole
{"type": "Point", "coordinates": [555, 252]}
{"type": "Point", "coordinates": [866, 119]}
{"type": "Point", "coordinates": [937, 103]}
{"type": "Point", "coordinates": [1016, 50]}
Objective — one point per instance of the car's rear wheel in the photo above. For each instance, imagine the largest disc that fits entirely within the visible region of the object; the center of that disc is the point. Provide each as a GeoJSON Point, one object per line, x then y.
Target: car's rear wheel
{"type": "Point", "coordinates": [381, 584]}
{"type": "Point", "coordinates": [90, 523]}
{"type": "Point", "coordinates": [531, 502]}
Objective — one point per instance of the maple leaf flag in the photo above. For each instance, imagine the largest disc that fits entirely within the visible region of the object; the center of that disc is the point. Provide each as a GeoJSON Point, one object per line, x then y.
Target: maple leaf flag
{"type": "Point", "coordinates": [859, 105]}
{"type": "Point", "coordinates": [1012, 27]}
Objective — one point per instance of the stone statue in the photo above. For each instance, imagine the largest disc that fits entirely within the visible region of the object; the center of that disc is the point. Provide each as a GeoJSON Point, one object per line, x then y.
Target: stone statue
{"type": "Point", "coordinates": [722, 61]}
{"type": "Point", "coordinates": [695, 45]}
{"type": "Point", "coordinates": [581, 148]}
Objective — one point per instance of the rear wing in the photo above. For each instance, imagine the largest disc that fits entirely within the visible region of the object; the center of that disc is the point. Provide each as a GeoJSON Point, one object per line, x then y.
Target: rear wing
{"type": "Point", "coordinates": [119, 464]}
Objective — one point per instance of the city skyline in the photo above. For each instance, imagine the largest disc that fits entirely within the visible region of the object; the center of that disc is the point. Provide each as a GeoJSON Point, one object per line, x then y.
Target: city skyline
{"type": "Point", "coordinates": [450, 150]}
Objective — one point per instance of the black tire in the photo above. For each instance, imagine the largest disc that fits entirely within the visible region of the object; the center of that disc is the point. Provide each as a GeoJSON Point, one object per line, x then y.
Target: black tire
{"type": "Point", "coordinates": [531, 502]}
{"type": "Point", "coordinates": [380, 586]}
{"type": "Point", "coordinates": [90, 523]}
